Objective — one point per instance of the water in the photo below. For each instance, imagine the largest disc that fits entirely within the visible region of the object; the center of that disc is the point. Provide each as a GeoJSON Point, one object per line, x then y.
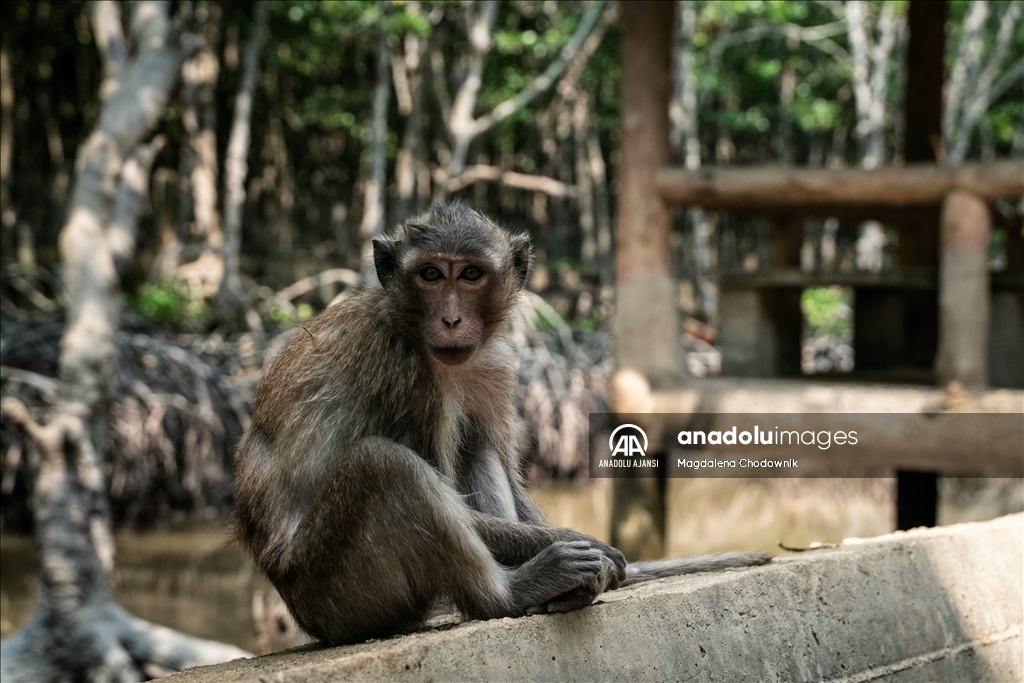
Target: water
{"type": "Point", "coordinates": [192, 580]}
{"type": "Point", "coordinates": [188, 579]}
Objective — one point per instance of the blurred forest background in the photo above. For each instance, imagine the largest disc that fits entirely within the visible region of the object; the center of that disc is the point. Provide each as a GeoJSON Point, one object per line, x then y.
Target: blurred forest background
{"type": "Point", "coordinates": [289, 133]}
{"type": "Point", "coordinates": [363, 113]}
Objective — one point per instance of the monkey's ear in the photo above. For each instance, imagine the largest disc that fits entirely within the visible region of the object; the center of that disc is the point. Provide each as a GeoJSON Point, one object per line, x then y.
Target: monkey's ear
{"type": "Point", "coordinates": [385, 259]}
{"type": "Point", "coordinates": [522, 257]}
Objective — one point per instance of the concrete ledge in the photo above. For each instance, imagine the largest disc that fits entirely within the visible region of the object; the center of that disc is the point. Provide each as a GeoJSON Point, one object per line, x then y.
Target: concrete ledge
{"type": "Point", "coordinates": [928, 605]}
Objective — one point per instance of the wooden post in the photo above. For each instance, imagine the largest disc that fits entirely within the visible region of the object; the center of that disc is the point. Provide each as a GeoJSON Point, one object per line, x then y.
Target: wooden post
{"type": "Point", "coordinates": [1006, 328]}
{"type": "Point", "coordinates": [922, 112]}
{"type": "Point", "coordinates": [917, 498]}
{"type": "Point", "coordinates": [964, 304]}
{"type": "Point", "coordinates": [762, 326]}
{"type": "Point", "coordinates": [922, 104]}
{"type": "Point", "coordinates": [646, 327]}
{"type": "Point", "coordinates": [761, 330]}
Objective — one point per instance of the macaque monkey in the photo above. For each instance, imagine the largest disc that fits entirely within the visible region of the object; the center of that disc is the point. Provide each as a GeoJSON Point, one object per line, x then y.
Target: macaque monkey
{"type": "Point", "coordinates": [381, 471]}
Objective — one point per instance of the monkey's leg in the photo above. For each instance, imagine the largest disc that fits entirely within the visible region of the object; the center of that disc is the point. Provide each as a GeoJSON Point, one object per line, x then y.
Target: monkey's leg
{"type": "Point", "coordinates": [613, 571]}
{"type": "Point", "coordinates": [515, 530]}
{"type": "Point", "coordinates": [385, 536]}
{"type": "Point", "coordinates": [513, 543]}
{"type": "Point", "coordinates": [526, 509]}
{"type": "Point", "coordinates": [512, 525]}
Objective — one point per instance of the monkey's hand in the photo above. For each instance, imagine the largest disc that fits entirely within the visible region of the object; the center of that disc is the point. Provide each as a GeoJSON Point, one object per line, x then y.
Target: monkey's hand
{"type": "Point", "coordinates": [584, 594]}
{"type": "Point", "coordinates": [613, 571]}
{"type": "Point", "coordinates": [556, 571]}
{"type": "Point", "coordinates": [615, 562]}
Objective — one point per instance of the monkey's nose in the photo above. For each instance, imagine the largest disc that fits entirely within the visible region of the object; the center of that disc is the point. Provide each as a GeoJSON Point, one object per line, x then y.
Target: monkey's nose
{"type": "Point", "coordinates": [451, 321]}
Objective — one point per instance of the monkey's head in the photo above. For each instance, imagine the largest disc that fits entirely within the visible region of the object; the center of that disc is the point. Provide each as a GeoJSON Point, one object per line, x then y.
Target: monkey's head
{"type": "Point", "coordinates": [451, 276]}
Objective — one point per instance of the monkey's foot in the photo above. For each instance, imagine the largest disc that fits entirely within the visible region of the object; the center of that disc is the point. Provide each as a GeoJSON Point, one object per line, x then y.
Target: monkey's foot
{"type": "Point", "coordinates": [584, 594]}
{"type": "Point", "coordinates": [557, 570]}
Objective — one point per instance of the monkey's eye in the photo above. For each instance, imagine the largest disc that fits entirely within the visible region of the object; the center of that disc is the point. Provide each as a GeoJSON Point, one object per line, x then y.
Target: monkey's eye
{"type": "Point", "coordinates": [471, 273]}
{"type": "Point", "coordinates": [431, 274]}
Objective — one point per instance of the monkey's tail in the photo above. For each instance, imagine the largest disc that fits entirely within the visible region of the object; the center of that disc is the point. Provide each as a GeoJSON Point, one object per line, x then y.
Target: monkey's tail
{"type": "Point", "coordinates": [657, 569]}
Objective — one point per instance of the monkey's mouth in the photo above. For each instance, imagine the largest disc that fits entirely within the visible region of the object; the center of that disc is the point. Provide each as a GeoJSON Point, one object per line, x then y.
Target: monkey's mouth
{"type": "Point", "coordinates": [452, 355]}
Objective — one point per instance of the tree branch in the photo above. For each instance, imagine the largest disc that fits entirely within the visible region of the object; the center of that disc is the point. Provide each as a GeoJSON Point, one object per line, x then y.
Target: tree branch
{"type": "Point", "coordinates": [73, 633]}
{"type": "Point", "coordinates": [861, 68]}
{"type": "Point", "coordinates": [345, 276]}
{"type": "Point", "coordinates": [15, 410]}
{"type": "Point", "coordinates": [982, 94]}
{"type": "Point", "coordinates": [589, 47]}
{"type": "Point", "coordinates": [170, 649]}
{"type": "Point", "coordinates": [808, 34]}
{"type": "Point", "coordinates": [400, 80]}
{"type": "Point", "coordinates": [46, 385]}
{"type": "Point", "coordinates": [236, 166]}
{"type": "Point", "coordinates": [546, 79]}
{"type": "Point", "coordinates": [968, 53]}
{"type": "Point", "coordinates": [889, 29]}
{"type": "Point", "coordinates": [461, 124]}
{"type": "Point", "coordinates": [682, 112]}
{"type": "Point", "coordinates": [106, 22]}
{"type": "Point", "coordinates": [815, 36]}
{"type": "Point", "coordinates": [437, 73]}
{"type": "Point", "coordinates": [523, 181]}
{"type": "Point", "coordinates": [376, 184]}
{"type": "Point", "coordinates": [131, 202]}
{"type": "Point", "coordinates": [1006, 81]}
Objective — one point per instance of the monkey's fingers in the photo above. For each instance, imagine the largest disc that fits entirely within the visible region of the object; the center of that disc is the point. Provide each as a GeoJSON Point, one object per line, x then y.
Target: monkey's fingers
{"type": "Point", "coordinates": [607, 579]}
{"type": "Point", "coordinates": [574, 599]}
{"type": "Point", "coordinates": [618, 561]}
{"type": "Point", "coordinates": [615, 561]}
{"type": "Point", "coordinates": [559, 569]}
{"type": "Point", "coordinates": [611, 574]}
{"type": "Point", "coordinates": [612, 554]}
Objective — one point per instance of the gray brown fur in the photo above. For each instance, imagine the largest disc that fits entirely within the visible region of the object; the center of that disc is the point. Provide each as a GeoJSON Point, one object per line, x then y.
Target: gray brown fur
{"type": "Point", "coordinates": [380, 473]}
{"type": "Point", "coordinates": [649, 570]}
{"type": "Point", "coordinates": [376, 480]}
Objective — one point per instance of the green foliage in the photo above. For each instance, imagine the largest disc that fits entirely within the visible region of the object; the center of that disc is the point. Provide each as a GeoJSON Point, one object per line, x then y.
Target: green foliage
{"type": "Point", "coordinates": [159, 305]}
{"type": "Point", "coordinates": [327, 49]}
{"type": "Point", "coordinates": [287, 316]}
{"type": "Point", "coordinates": [314, 101]}
{"type": "Point", "coordinates": [589, 323]}
{"type": "Point", "coordinates": [743, 52]}
{"type": "Point", "coordinates": [814, 114]}
{"type": "Point", "coordinates": [171, 305]}
{"type": "Point", "coordinates": [543, 323]}
{"type": "Point", "coordinates": [1006, 119]}
{"type": "Point", "coordinates": [528, 36]}
{"type": "Point", "coordinates": [827, 310]}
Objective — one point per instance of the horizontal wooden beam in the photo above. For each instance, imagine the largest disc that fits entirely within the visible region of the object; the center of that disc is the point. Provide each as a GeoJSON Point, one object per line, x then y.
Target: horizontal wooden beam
{"type": "Point", "coordinates": [925, 438]}
{"type": "Point", "coordinates": [777, 189]}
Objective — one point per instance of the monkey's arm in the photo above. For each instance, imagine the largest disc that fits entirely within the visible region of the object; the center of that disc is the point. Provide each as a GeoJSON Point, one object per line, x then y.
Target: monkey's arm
{"type": "Point", "coordinates": [526, 510]}
{"type": "Point", "coordinates": [513, 543]}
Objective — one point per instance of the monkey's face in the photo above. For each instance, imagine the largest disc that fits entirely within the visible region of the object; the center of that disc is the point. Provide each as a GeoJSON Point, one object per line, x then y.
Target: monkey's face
{"type": "Point", "coordinates": [455, 300]}
{"type": "Point", "coordinates": [451, 278]}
